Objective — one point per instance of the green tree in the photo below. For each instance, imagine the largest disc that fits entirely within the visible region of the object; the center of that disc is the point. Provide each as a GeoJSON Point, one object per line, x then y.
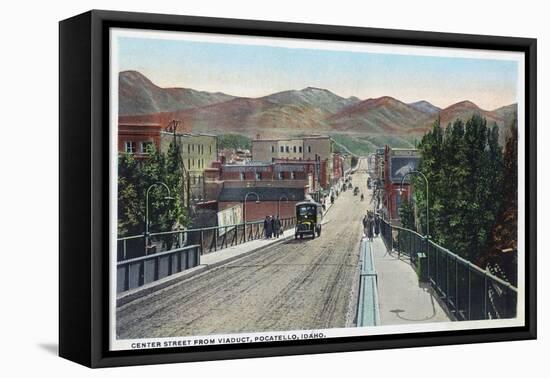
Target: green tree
{"type": "Point", "coordinates": [406, 214]}
{"type": "Point", "coordinates": [130, 214]}
{"type": "Point", "coordinates": [234, 141]}
{"type": "Point", "coordinates": [503, 244]}
{"type": "Point", "coordinates": [431, 151]}
{"type": "Point", "coordinates": [464, 168]}
{"type": "Point", "coordinates": [134, 179]}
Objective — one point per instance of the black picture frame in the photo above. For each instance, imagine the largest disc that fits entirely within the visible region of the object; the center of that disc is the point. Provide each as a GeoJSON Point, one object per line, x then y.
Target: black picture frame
{"type": "Point", "coordinates": [84, 190]}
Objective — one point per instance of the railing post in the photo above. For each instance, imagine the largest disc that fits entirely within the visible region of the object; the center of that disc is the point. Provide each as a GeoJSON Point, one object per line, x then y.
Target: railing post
{"type": "Point", "coordinates": [457, 309]}
{"type": "Point", "coordinates": [469, 293]}
{"type": "Point", "coordinates": [124, 249]}
{"type": "Point", "coordinates": [437, 267]}
{"type": "Point", "coordinates": [427, 241]}
{"type": "Point", "coordinates": [141, 279]}
{"type": "Point", "coordinates": [201, 239]}
{"type": "Point", "coordinates": [390, 230]}
{"type": "Point", "coordinates": [126, 283]}
{"type": "Point", "coordinates": [447, 279]}
{"type": "Point", "coordinates": [485, 298]}
{"type": "Point", "coordinates": [156, 268]}
{"type": "Point", "coordinates": [224, 240]}
{"type": "Point", "coordinates": [215, 239]}
{"type": "Point", "coordinates": [399, 244]}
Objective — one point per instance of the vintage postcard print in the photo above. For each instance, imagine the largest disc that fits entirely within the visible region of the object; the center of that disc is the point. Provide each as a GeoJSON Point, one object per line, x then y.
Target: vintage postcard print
{"type": "Point", "coordinates": [270, 189]}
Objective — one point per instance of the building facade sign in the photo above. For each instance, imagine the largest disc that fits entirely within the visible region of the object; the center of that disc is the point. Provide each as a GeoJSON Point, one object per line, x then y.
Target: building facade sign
{"type": "Point", "coordinates": [230, 217]}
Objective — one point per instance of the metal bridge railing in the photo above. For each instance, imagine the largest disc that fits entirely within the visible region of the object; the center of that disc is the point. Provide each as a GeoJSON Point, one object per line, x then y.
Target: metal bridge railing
{"type": "Point", "coordinates": [209, 239]}
{"type": "Point", "coordinates": [470, 293]}
{"type": "Point", "coordinates": [136, 272]}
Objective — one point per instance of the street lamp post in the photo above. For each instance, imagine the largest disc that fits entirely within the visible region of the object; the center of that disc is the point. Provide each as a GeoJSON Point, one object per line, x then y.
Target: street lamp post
{"type": "Point", "coordinates": [427, 197]}
{"type": "Point", "coordinates": [168, 197]}
{"type": "Point", "coordinates": [244, 205]}
{"type": "Point", "coordinates": [279, 204]}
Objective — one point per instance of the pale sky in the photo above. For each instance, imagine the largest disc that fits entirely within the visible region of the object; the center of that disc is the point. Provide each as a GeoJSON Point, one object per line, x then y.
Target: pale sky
{"type": "Point", "coordinates": [256, 70]}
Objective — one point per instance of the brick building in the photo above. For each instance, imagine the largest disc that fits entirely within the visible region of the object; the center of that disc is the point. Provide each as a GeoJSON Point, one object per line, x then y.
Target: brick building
{"type": "Point", "coordinates": [261, 201]}
{"type": "Point", "coordinates": [397, 163]}
{"type": "Point", "coordinates": [279, 185]}
{"type": "Point", "coordinates": [198, 152]}
{"type": "Point", "coordinates": [313, 148]}
{"type": "Point", "coordinates": [138, 138]}
{"type": "Point", "coordinates": [338, 164]}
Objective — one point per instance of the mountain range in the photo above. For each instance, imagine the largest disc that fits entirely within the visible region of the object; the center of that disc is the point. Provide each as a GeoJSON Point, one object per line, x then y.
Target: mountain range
{"type": "Point", "coordinates": [293, 112]}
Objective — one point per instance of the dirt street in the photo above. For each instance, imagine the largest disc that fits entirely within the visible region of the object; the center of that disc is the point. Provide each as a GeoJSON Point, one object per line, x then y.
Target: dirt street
{"type": "Point", "coordinates": [297, 284]}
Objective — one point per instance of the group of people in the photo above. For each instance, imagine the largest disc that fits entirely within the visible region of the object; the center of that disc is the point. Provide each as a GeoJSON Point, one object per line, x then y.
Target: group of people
{"type": "Point", "coordinates": [272, 227]}
{"type": "Point", "coordinates": [371, 225]}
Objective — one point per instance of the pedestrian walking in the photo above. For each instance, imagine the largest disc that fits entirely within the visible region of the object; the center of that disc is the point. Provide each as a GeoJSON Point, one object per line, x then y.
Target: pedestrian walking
{"type": "Point", "coordinates": [270, 226]}
{"type": "Point", "coordinates": [364, 221]}
{"type": "Point", "coordinates": [370, 227]}
{"type": "Point", "coordinates": [277, 227]}
{"type": "Point", "coordinates": [267, 226]}
{"type": "Point", "coordinates": [376, 224]}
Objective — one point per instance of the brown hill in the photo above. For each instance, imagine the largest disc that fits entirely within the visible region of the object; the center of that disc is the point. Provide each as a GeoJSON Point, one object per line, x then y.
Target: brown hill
{"type": "Point", "coordinates": [293, 112]}
{"type": "Point", "coordinates": [464, 110]}
{"type": "Point", "coordinates": [139, 95]}
{"type": "Point", "coordinates": [383, 115]}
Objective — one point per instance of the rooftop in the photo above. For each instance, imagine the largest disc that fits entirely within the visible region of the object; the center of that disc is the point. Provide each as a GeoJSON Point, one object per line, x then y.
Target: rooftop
{"type": "Point", "coordinates": [288, 139]}
{"type": "Point", "coordinates": [138, 124]}
{"type": "Point", "coordinates": [265, 194]}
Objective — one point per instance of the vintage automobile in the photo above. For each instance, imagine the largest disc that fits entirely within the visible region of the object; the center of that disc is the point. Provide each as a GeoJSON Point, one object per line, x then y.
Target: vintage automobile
{"type": "Point", "coordinates": [309, 215]}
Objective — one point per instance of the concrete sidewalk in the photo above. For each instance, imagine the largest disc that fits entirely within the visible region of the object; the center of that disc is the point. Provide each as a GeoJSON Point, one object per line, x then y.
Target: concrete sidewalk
{"type": "Point", "coordinates": [402, 299]}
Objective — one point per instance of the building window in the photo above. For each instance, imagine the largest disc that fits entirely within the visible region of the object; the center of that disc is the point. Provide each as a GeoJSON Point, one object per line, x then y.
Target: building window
{"type": "Point", "coordinates": [210, 149]}
{"type": "Point", "coordinates": [282, 149]}
{"type": "Point", "coordinates": [258, 175]}
{"type": "Point", "coordinates": [188, 148]}
{"type": "Point", "coordinates": [300, 149]}
{"type": "Point", "coordinates": [129, 147]}
{"type": "Point", "coordinates": [146, 147]}
{"type": "Point", "coordinates": [280, 175]}
{"type": "Point", "coordinates": [192, 148]}
{"type": "Point", "coordinates": [293, 175]}
{"type": "Point", "coordinates": [272, 149]}
{"type": "Point", "coordinates": [309, 149]}
{"type": "Point", "coordinates": [287, 149]}
{"type": "Point", "coordinates": [241, 175]}
{"type": "Point", "coordinates": [193, 162]}
{"type": "Point", "coordinates": [188, 163]}
{"type": "Point", "coordinates": [294, 149]}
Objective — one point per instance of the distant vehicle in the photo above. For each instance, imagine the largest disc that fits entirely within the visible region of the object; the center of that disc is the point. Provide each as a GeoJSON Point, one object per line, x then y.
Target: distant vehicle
{"type": "Point", "coordinates": [356, 191]}
{"type": "Point", "coordinates": [369, 183]}
{"type": "Point", "coordinates": [308, 219]}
